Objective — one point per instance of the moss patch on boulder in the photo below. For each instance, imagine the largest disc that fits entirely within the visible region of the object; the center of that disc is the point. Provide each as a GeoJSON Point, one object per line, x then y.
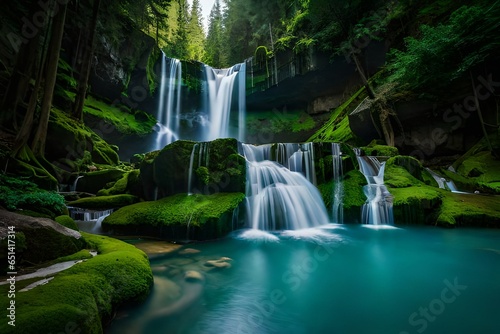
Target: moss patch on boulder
{"type": "Point", "coordinates": [92, 182]}
{"type": "Point", "coordinates": [67, 221]}
{"type": "Point", "coordinates": [104, 202]}
{"type": "Point", "coordinates": [469, 210]}
{"type": "Point", "coordinates": [83, 297]}
{"type": "Point", "coordinates": [206, 216]}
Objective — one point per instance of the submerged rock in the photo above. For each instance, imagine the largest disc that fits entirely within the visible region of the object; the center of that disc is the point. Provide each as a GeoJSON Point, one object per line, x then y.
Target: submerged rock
{"type": "Point", "coordinates": [189, 251]}
{"type": "Point", "coordinates": [194, 276]}
{"type": "Point", "coordinates": [220, 263]}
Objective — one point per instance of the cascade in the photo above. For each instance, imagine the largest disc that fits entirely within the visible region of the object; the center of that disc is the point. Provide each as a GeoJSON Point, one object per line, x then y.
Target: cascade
{"type": "Point", "coordinates": [278, 198]}
{"type": "Point", "coordinates": [75, 183]}
{"type": "Point", "coordinates": [378, 208]}
{"type": "Point", "coordinates": [202, 150]}
{"type": "Point", "coordinates": [87, 215]}
{"type": "Point", "coordinates": [220, 92]}
{"type": "Point", "coordinates": [338, 189]}
{"type": "Point", "coordinates": [442, 182]}
{"type": "Point", "coordinates": [170, 102]}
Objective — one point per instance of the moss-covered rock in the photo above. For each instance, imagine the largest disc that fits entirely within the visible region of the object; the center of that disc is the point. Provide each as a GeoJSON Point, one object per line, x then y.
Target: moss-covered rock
{"type": "Point", "coordinates": [45, 239]}
{"type": "Point", "coordinates": [180, 216]}
{"type": "Point", "coordinates": [405, 171]}
{"type": "Point", "coordinates": [104, 202]}
{"type": "Point", "coordinates": [376, 149]}
{"type": "Point", "coordinates": [416, 204]}
{"type": "Point", "coordinates": [129, 183]}
{"type": "Point", "coordinates": [469, 210]}
{"type": "Point", "coordinates": [70, 139]}
{"type": "Point", "coordinates": [354, 197]}
{"type": "Point", "coordinates": [82, 298]}
{"type": "Point", "coordinates": [224, 170]}
{"type": "Point", "coordinates": [92, 182]}
{"type": "Point", "coordinates": [67, 221]}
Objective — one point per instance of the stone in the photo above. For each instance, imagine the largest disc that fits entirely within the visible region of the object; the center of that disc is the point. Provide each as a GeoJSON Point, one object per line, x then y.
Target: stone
{"type": "Point", "coordinates": [189, 251]}
{"type": "Point", "coordinates": [194, 276]}
{"type": "Point", "coordinates": [220, 263]}
{"type": "Point", "coordinates": [45, 239]}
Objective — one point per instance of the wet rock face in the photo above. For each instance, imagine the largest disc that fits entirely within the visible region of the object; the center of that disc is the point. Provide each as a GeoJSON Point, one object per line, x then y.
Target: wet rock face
{"type": "Point", "coordinates": [44, 238]}
{"type": "Point", "coordinates": [222, 169]}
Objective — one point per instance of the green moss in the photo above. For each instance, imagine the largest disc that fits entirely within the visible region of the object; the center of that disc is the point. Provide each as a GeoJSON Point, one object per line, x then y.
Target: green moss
{"type": "Point", "coordinates": [67, 221]}
{"type": "Point", "coordinates": [127, 184]}
{"type": "Point", "coordinates": [374, 149]}
{"type": "Point", "coordinates": [209, 216]}
{"type": "Point", "coordinates": [416, 204]}
{"type": "Point", "coordinates": [120, 117]}
{"type": "Point", "coordinates": [70, 139]}
{"type": "Point", "coordinates": [203, 175]}
{"type": "Point", "coordinates": [337, 128]}
{"type": "Point", "coordinates": [92, 182]}
{"type": "Point", "coordinates": [82, 298]}
{"type": "Point", "coordinates": [273, 122]}
{"type": "Point", "coordinates": [483, 170]}
{"type": "Point", "coordinates": [469, 210]}
{"type": "Point", "coordinates": [353, 189]}
{"type": "Point", "coordinates": [104, 202]}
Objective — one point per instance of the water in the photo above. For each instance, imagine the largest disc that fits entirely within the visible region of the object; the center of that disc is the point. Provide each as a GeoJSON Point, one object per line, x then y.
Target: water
{"type": "Point", "coordinates": [89, 220]}
{"type": "Point", "coordinates": [338, 190]}
{"type": "Point", "coordinates": [278, 198]}
{"type": "Point", "coordinates": [221, 83]}
{"type": "Point", "coordinates": [354, 279]}
{"type": "Point", "coordinates": [169, 105]}
{"type": "Point", "coordinates": [378, 207]}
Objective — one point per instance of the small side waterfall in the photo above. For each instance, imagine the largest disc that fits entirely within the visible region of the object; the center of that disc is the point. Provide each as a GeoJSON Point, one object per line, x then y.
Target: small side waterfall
{"type": "Point", "coordinates": [220, 93]}
{"type": "Point", "coordinates": [442, 182]}
{"type": "Point", "coordinates": [338, 189]}
{"type": "Point", "coordinates": [278, 198]}
{"type": "Point", "coordinates": [199, 158]}
{"type": "Point", "coordinates": [75, 183]}
{"type": "Point", "coordinates": [170, 102]}
{"type": "Point", "coordinates": [89, 220]}
{"type": "Point", "coordinates": [378, 208]}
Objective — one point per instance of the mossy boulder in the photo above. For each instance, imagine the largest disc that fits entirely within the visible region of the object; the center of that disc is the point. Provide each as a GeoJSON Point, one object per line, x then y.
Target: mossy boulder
{"type": "Point", "coordinates": [129, 183]}
{"type": "Point", "coordinates": [181, 216]}
{"type": "Point", "coordinates": [353, 196]}
{"type": "Point", "coordinates": [377, 149]}
{"type": "Point", "coordinates": [92, 182]}
{"type": "Point", "coordinates": [82, 299]}
{"type": "Point", "coordinates": [416, 204]}
{"type": "Point", "coordinates": [469, 210]}
{"type": "Point", "coordinates": [70, 139]}
{"type": "Point", "coordinates": [45, 239]}
{"type": "Point", "coordinates": [67, 221]}
{"type": "Point", "coordinates": [404, 171]}
{"type": "Point", "coordinates": [218, 167]}
{"type": "Point", "coordinates": [104, 202]}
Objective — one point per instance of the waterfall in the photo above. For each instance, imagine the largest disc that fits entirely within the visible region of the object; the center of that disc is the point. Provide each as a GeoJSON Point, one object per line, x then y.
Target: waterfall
{"type": "Point", "coordinates": [338, 189]}
{"type": "Point", "coordinates": [278, 198]}
{"type": "Point", "coordinates": [378, 208]}
{"type": "Point", "coordinates": [170, 102]}
{"type": "Point", "coordinates": [220, 92]}
{"type": "Point", "coordinates": [442, 182]}
{"type": "Point", "coordinates": [203, 150]}
{"type": "Point", "coordinates": [75, 183]}
{"type": "Point", "coordinates": [88, 215]}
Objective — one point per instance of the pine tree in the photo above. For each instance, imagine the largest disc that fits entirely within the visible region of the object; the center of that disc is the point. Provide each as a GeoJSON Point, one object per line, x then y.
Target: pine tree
{"type": "Point", "coordinates": [196, 34]}
{"type": "Point", "coordinates": [214, 55]}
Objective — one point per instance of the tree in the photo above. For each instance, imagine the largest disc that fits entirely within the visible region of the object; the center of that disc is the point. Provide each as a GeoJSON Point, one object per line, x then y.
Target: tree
{"type": "Point", "coordinates": [214, 47]}
{"type": "Point", "coordinates": [196, 41]}
{"type": "Point", "coordinates": [38, 146]}
{"type": "Point", "coordinates": [87, 52]}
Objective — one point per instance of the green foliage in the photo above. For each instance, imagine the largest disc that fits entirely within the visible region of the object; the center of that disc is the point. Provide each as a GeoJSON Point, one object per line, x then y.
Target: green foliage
{"type": "Point", "coordinates": [203, 174]}
{"type": "Point", "coordinates": [375, 149]}
{"type": "Point", "coordinates": [430, 62]}
{"type": "Point", "coordinates": [16, 193]}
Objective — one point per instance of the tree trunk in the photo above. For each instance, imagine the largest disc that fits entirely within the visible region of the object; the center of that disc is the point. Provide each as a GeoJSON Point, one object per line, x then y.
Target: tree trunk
{"type": "Point", "coordinates": [86, 65]}
{"type": "Point", "coordinates": [361, 71]}
{"type": "Point", "coordinates": [38, 145]}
